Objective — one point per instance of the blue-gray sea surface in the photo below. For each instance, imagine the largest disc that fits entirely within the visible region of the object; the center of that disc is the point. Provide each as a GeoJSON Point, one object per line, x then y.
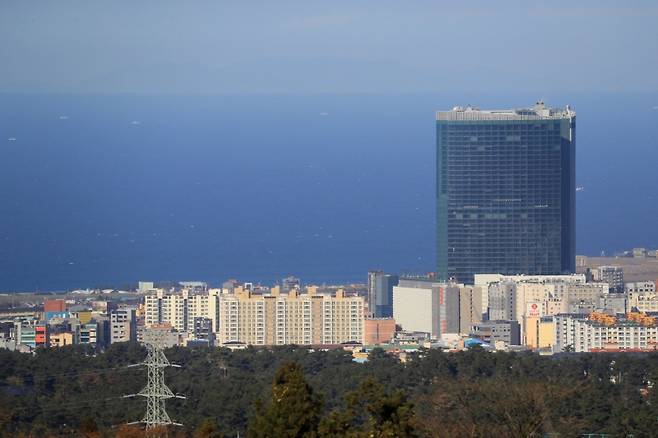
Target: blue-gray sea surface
{"type": "Point", "coordinates": [106, 190]}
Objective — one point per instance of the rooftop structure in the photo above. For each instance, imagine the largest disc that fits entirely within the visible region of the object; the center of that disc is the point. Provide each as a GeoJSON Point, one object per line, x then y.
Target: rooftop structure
{"type": "Point", "coordinates": [538, 112]}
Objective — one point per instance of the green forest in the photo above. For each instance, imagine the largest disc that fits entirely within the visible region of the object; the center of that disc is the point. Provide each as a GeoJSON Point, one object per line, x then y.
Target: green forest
{"type": "Point", "coordinates": [295, 392]}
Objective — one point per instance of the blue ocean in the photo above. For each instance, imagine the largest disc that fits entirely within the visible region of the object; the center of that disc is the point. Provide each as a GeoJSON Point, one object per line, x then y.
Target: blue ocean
{"type": "Point", "coordinates": [106, 190]}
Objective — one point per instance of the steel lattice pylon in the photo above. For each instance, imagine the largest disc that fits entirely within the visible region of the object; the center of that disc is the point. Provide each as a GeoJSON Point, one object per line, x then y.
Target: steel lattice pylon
{"type": "Point", "coordinates": [156, 391]}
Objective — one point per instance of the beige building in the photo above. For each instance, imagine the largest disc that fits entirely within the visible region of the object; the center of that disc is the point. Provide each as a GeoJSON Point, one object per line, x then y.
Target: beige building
{"type": "Point", "coordinates": [540, 332]}
{"type": "Point", "coordinates": [61, 339]}
{"type": "Point", "coordinates": [292, 318]}
{"type": "Point", "coordinates": [470, 307]}
{"type": "Point", "coordinates": [643, 302]}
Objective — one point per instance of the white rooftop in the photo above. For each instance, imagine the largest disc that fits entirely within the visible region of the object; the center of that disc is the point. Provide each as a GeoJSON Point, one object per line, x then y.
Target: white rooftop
{"type": "Point", "coordinates": [538, 112]}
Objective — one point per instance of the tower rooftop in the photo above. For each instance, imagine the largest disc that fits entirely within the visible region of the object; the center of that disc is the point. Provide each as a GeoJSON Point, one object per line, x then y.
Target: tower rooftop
{"type": "Point", "coordinates": [538, 112]}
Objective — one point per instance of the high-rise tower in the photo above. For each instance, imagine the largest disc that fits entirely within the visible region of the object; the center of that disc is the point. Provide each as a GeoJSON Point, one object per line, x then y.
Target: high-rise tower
{"type": "Point", "coordinates": [380, 294]}
{"type": "Point", "coordinates": [505, 191]}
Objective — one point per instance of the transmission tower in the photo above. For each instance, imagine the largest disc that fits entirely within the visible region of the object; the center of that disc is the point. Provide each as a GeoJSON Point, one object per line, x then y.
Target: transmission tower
{"type": "Point", "coordinates": [156, 391]}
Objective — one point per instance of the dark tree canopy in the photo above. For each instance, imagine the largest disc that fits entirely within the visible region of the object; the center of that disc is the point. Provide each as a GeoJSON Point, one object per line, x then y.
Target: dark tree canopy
{"type": "Point", "coordinates": [291, 391]}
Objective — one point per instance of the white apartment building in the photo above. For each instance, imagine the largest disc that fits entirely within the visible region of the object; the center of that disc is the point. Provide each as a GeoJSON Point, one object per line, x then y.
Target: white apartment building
{"type": "Point", "coordinates": [180, 308]}
{"type": "Point", "coordinates": [584, 334]}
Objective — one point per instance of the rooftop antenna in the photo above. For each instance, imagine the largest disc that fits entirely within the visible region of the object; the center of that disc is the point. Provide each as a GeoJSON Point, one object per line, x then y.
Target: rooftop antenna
{"type": "Point", "coordinates": [156, 391]}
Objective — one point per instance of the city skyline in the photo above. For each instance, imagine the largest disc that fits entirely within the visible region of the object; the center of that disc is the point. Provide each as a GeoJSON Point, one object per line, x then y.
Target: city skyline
{"type": "Point", "coordinates": [298, 219]}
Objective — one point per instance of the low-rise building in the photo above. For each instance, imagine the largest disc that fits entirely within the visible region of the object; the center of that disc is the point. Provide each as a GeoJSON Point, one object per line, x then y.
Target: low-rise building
{"type": "Point", "coordinates": [379, 330]}
{"type": "Point", "coordinates": [640, 287]}
{"type": "Point", "coordinates": [163, 335]}
{"type": "Point", "coordinates": [507, 332]}
{"type": "Point", "coordinates": [61, 339]}
{"type": "Point", "coordinates": [86, 333]}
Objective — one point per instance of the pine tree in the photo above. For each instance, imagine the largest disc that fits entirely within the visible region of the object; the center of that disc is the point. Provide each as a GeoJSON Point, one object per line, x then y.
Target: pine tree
{"type": "Point", "coordinates": [371, 412]}
{"type": "Point", "coordinates": [293, 411]}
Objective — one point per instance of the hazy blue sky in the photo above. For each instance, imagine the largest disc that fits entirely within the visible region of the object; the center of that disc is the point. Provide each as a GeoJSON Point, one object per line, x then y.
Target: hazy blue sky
{"type": "Point", "coordinates": [336, 46]}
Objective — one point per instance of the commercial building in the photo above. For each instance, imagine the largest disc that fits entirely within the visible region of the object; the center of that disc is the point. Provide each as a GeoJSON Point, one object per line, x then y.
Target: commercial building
{"type": "Point", "coordinates": [203, 331]}
{"type": "Point", "coordinates": [61, 339]}
{"type": "Point", "coordinates": [54, 306]}
{"type": "Point", "coordinates": [290, 283]}
{"type": "Point", "coordinates": [647, 302]}
{"type": "Point", "coordinates": [437, 308]}
{"type": "Point", "coordinates": [378, 330]}
{"type": "Point", "coordinates": [470, 307]}
{"type": "Point", "coordinates": [642, 296]}
{"type": "Point", "coordinates": [540, 333]}
{"type": "Point", "coordinates": [163, 335]}
{"type": "Point", "coordinates": [505, 191]}
{"type": "Point", "coordinates": [41, 335]}
{"type": "Point", "coordinates": [526, 299]}
{"type": "Point", "coordinates": [640, 287]}
{"type": "Point", "coordinates": [86, 333]}
{"type": "Point", "coordinates": [145, 286]}
{"type": "Point", "coordinates": [54, 309]}
{"type": "Point", "coordinates": [380, 294]}
{"type": "Point", "coordinates": [123, 325]}
{"type": "Point", "coordinates": [619, 303]}
{"type": "Point", "coordinates": [613, 275]}
{"type": "Point", "coordinates": [486, 279]}
{"type": "Point", "coordinates": [25, 332]}
{"type": "Point", "coordinates": [507, 332]}
{"type": "Point", "coordinates": [293, 318]}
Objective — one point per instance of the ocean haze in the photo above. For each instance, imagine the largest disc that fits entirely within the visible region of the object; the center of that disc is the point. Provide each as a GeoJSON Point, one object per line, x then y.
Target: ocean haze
{"type": "Point", "coordinates": [294, 46]}
{"type": "Point", "coordinates": [109, 189]}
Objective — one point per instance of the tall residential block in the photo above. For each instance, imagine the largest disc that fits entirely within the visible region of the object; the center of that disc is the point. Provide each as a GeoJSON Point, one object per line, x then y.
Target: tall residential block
{"type": "Point", "coordinates": [181, 308]}
{"type": "Point", "coordinates": [293, 318]}
{"type": "Point", "coordinates": [505, 191]}
{"type": "Point", "coordinates": [380, 294]}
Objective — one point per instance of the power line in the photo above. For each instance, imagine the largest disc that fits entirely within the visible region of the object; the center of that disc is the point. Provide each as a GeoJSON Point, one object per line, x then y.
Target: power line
{"type": "Point", "coordinates": [156, 391]}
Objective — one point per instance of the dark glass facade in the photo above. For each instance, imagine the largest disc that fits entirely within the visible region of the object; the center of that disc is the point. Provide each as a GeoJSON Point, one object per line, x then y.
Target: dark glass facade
{"type": "Point", "coordinates": [505, 192]}
{"type": "Point", "coordinates": [380, 294]}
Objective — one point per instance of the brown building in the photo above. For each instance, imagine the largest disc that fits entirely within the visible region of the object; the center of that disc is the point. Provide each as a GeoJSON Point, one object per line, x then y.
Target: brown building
{"type": "Point", "coordinates": [54, 306]}
{"type": "Point", "coordinates": [379, 330]}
